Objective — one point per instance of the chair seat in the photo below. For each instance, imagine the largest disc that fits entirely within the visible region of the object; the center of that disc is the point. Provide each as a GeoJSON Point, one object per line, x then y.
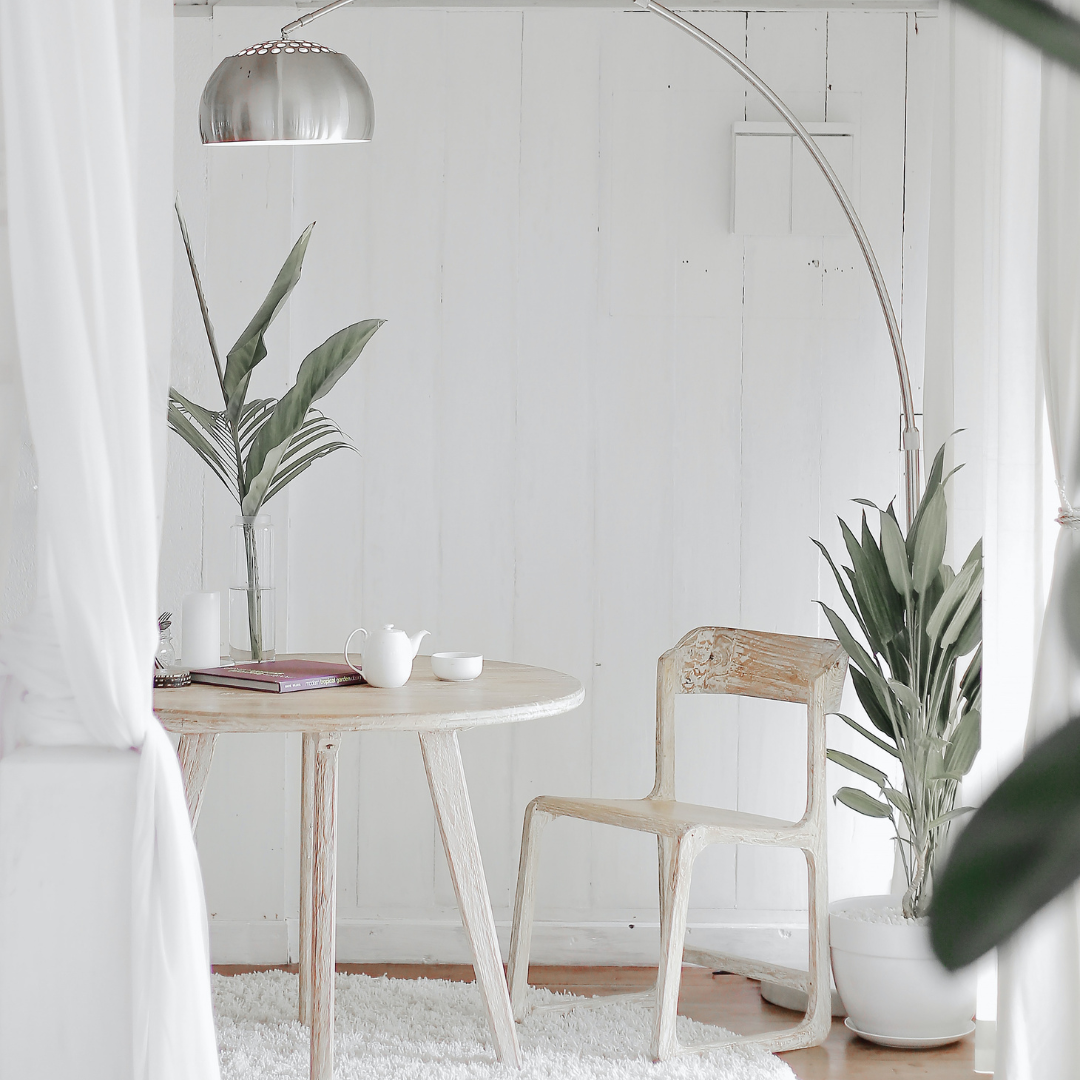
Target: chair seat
{"type": "Point", "coordinates": [667, 818]}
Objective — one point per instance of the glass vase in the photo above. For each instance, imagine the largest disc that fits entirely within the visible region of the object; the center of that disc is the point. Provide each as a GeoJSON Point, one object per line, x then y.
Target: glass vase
{"type": "Point", "coordinates": [251, 591]}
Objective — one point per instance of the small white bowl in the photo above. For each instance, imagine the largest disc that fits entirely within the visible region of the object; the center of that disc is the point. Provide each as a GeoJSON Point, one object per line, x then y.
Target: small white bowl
{"type": "Point", "coordinates": [456, 666]}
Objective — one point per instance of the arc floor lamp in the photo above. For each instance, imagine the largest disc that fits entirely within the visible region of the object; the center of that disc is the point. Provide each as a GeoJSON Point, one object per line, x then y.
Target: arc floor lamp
{"type": "Point", "coordinates": [298, 92]}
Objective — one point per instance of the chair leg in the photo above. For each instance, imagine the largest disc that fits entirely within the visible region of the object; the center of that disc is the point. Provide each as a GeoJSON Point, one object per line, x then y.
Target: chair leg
{"type": "Point", "coordinates": [819, 989]}
{"type": "Point", "coordinates": [517, 972]}
{"type": "Point", "coordinates": [674, 900]}
{"type": "Point", "coordinates": [666, 849]}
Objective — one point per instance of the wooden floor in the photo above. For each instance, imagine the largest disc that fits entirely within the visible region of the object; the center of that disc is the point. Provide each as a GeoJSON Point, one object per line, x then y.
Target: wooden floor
{"type": "Point", "coordinates": [728, 1000]}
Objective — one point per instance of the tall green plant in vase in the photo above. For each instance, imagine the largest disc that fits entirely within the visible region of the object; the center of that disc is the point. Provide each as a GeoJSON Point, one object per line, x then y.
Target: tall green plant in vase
{"type": "Point", "coordinates": [920, 621]}
{"type": "Point", "coordinates": [255, 448]}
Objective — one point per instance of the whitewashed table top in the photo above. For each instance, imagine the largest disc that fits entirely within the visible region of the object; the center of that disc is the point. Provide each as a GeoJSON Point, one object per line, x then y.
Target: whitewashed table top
{"type": "Point", "coordinates": [502, 694]}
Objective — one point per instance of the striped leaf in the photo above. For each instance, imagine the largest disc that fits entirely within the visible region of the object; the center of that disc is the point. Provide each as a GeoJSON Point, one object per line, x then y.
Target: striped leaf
{"type": "Point", "coordinates": [852, 607]}
{"type": "Point", "coordinates": [956, 592]}
{"type": "Point", "coordinates": [929, 542]}
{"type": "Point", "coordinates": [972, 599]}
{"type": "Point", "coordinates": [320, 370]}
{"type": "Point", "coordinates": [964, 745]}
{"type": "Point", "coordinates": [971, 635]}
{"type": "Point", "coordinates": [895, 554]}
{"type": "Point", "coordinates": [317, 438]}
{"type": "Point", "coordinates": [858, 800]}
{"type": "Point", "coordinates": [250, 347]}
{"type": "Point", "coordinates": [941, 819]}
{"type": "Point", "coordinates": [908, 698]}
{"type": "Point", "coordinates": [933, 483]}
{"type": "Point", "coordinates": [866, 734]}
{"type": "Point", "coordinates": [857, 653]}
{"type": "Point", "coordinates": [860, 768]}
{"type": "Point", "coordinates": [971, 683]}
{"type": "Point", "coordinates": [872, 700]}
{"type": "Point", "coordinates": [900, 801]}
{"type": "Point", "coordinates": [197, 428]}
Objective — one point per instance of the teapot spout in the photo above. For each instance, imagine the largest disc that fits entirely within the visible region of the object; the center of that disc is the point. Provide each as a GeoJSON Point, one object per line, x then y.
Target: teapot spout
{"type": "Point", "coordinates": [415, 640]}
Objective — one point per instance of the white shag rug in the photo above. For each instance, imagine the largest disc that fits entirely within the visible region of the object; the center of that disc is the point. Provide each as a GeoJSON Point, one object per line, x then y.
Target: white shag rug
{"type": "Point", "coordinates": [401, 1029]}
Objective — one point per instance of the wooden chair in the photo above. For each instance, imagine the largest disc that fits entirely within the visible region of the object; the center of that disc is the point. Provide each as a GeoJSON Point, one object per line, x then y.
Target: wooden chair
{"type": "Point", "coordinates": [712, 660]}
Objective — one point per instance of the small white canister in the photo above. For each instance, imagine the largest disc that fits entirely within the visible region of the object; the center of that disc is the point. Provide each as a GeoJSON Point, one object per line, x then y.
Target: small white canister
{"type": "Point", "coordinates": [201, 630]}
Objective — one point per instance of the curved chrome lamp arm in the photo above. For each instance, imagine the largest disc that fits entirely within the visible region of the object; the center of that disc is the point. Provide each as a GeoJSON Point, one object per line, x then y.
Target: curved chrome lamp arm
{"type": "Point", "coordinates": [311, 16]}
{"type": "Point", "coordinates": [911, 440]}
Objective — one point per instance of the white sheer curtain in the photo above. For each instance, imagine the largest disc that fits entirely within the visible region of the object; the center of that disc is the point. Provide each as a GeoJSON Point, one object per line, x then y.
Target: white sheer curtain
{"type": "Point", "coordinates": [1003, 320]}
{"type": "Point", "coordinates": [1039, 1004]}
{"type": "Point", "coordinates": [981, 366]}
{"type": "Point", "coordinates": [87, 88]}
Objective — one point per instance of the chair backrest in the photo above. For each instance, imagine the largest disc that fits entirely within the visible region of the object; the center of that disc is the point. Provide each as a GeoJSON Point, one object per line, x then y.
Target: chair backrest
{"type": "Point", "coordinates": [750, 663]}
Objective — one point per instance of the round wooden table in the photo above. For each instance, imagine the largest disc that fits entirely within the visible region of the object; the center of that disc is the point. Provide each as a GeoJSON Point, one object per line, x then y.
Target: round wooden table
{"type": "Point", "coordinates": [437, 710]}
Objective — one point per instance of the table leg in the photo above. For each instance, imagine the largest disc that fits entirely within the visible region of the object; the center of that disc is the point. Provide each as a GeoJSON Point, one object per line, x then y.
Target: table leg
{"type": "Point", "coordinates": [307, 825]}
{"type": "Point", "coordinates": [450, 797]}
{"type": "Point", "coordinates": [324, 890]}
{"type": "Point", "coordinates": [196, 752]}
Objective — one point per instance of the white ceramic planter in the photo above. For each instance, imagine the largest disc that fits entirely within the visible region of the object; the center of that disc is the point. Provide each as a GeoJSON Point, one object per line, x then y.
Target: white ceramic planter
{"type": "Point", "coordinates": [891, 983]}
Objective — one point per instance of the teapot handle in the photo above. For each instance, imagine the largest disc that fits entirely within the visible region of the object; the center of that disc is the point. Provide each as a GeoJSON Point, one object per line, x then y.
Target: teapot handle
{"type": "Point", "coordinates": [348, 642]}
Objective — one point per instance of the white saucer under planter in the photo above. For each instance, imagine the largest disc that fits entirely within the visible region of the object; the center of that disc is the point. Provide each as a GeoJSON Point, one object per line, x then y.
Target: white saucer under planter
{"type": "Point", "coordinates": [895, 989]}
{"type": "Point", "coordinates": [898, 1043]}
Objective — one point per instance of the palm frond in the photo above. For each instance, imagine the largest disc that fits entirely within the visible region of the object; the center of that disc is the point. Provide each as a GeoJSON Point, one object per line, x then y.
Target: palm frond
{"type": "Point", "coordinates": [318, 373]}
{"type": "Point", "coordinates": [208, 326]}
{"type": "Point", "coordinates": [253, 417]}
{"type": "Point", "coordinates": [199, 428]}
{"type": "Point", "coordinates": [317, 438]}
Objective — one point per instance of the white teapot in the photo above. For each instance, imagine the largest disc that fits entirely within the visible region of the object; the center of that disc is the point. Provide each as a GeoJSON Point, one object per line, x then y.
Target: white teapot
{"type": "Point", "coordinates": [387, 656]}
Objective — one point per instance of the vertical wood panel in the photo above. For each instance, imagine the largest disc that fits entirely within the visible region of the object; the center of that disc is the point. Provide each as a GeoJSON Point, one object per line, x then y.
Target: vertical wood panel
{"type": "Point", "coordinates": [781, 401]}
{"type": "Point", "coordinates": [387, 543]}
{"type": "Point", "coordinates": [556, 352]}
{"type": "Point", "coordinates": [707, 378]}
{"type": "Point", "coordinates": [180, 568]}
{"type": "Point", "coordinates": [476, 393]}
{"type": "Point", "coordinates": [860, 417]}
{"type": "Point", "coordinates": [788, 50]}
{"type": "Point", "coordinates": [633, 440]}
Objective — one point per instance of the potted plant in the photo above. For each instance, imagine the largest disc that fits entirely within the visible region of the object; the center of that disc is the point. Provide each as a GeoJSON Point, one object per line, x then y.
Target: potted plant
{"type": "Point", "coordinates": [918, 679]}
{"type": "Point", "coordinates": [256, 447]}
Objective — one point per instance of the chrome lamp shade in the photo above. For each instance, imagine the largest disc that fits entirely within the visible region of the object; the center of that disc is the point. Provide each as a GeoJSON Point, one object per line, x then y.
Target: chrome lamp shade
{"type": "Point", "coordinates": [286, 92]}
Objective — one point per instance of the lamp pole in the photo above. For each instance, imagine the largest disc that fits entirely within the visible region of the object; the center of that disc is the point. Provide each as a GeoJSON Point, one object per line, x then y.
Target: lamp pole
{"type": "Point", "coordinates": [311, 16]}
{"type": "Point", "coordinates": [909, 436]}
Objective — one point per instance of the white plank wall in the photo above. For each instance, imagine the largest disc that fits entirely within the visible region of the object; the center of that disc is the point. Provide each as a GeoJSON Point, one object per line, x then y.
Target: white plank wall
{"type": "Point", "coordinates": [594, 419]}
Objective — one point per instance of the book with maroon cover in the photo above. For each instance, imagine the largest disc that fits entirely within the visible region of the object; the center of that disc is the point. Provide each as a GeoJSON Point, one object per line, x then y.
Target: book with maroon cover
{"type": "Point", "coordinates": [280, 676]}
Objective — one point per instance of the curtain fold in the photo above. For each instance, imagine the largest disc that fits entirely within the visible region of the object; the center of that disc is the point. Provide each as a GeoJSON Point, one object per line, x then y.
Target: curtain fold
{"type": "Point", "coordinates": [982, 372]}
{"type": "Point", "coordinates": [1039, 1002]}
{"type": "Point", "coordinates": [87, 88]}
{"type": "Point", "coordinates": [1003, 332]}
{"type": "Point", "coordinates": [982, 376]}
